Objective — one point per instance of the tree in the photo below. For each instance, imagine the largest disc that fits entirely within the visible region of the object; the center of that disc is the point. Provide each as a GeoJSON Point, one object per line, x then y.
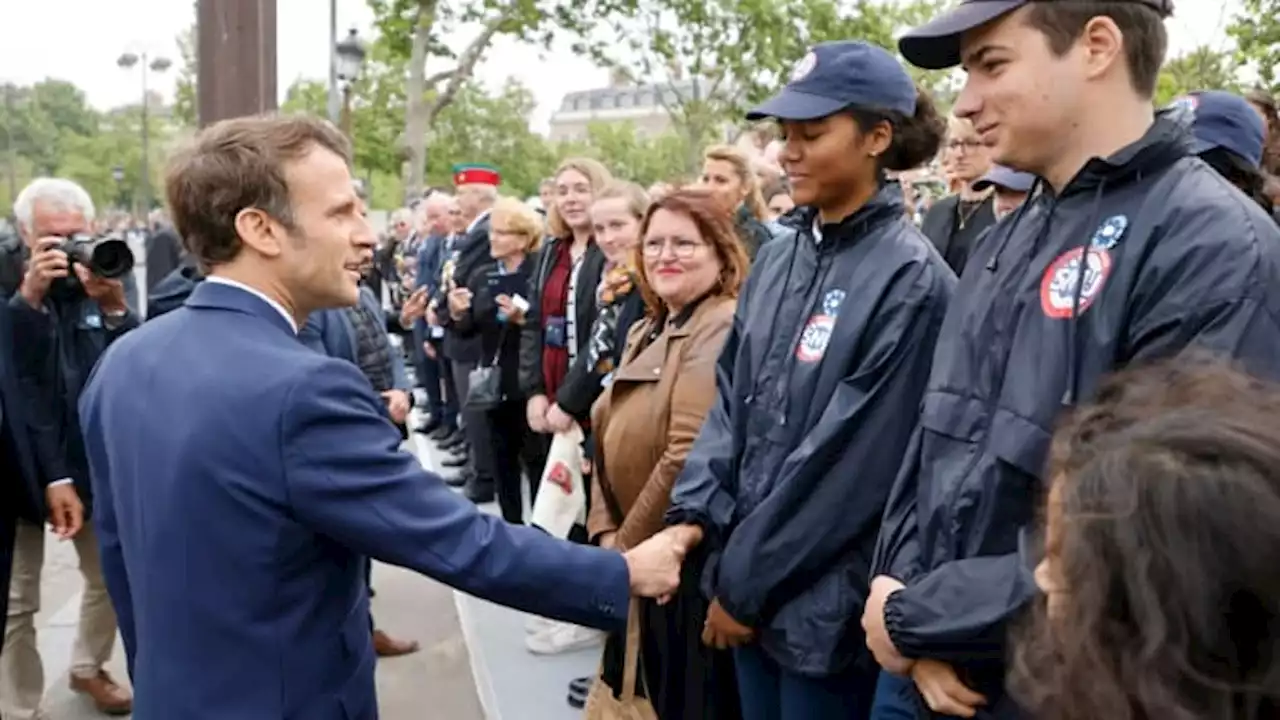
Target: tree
{"type": "Point", "coordinates": [413, 32]}
{"type": "Point", "coordinates": [1256, 30]}
{"type": "Point", "coordinates": [50, 130]}
{"type": "Point", "coordinates": [185, 101]}
{"type": "Point", "coordinates": [713, 59]}
{"type": "Point", "coordinates": [1200, 69]}
{"type": "Point", "coordinates": [631, 156]}
{"type": "Point", "coordinates": [481, 128]}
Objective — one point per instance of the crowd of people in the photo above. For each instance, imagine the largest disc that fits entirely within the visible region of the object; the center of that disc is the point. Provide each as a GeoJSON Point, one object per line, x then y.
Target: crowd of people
{"type": "Point", "coordinates": [786, 440]}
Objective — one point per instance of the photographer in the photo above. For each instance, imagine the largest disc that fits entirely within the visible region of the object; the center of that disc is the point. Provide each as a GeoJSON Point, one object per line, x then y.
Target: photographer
{"type": "Point", "coordinates": [69, 307]}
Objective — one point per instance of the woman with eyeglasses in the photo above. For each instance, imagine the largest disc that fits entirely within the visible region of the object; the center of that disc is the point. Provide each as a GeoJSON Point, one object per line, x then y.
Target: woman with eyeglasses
{"type": "Point", "coordinates": [515, 232]}
{"type": "Point", "coordinates": [817, 387]}
{"type": "Point", "coordinates": [956, 222]}
{"type": "Point", "coordinates": [689, 267]}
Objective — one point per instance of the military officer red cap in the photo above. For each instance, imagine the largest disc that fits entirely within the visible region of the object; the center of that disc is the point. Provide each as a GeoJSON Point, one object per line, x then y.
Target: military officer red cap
{"type": "Point", "coordinates": [476, 175]}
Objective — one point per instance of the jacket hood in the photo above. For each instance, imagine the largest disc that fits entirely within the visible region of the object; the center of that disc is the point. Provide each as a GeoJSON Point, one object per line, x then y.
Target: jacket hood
{"type": "Point", "coordinates": [1167, 140]}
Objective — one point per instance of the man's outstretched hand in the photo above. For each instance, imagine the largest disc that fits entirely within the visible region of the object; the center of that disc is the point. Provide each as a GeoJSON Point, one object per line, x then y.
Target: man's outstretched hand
{"type": "Point", "coordinates": [654, 566]}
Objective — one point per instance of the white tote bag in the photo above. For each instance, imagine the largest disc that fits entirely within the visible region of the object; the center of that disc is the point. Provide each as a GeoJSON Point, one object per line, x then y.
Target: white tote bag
{"type": "Point", "coordinates": [562, 499]}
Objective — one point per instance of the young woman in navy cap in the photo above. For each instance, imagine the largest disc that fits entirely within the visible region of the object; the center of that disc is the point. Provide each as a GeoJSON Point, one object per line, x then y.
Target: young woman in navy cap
{"type": "Point", "coordinates": [829, 354]}
{"type": "Point", "coordinates": [1231, 137]}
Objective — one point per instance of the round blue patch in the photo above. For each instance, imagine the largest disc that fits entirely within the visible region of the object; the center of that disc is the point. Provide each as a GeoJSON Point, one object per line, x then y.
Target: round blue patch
{"type": "Point", "coordinates": [1110, 232]}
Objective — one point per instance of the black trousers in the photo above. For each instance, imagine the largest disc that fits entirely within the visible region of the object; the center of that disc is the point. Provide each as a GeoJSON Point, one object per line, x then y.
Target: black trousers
{"type": "Point", "coordinates": [475, 423]}
{"type": "Point", "coordinates": [518, 458]}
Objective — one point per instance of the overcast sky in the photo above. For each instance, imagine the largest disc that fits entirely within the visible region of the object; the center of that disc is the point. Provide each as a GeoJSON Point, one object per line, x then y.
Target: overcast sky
{"type": "Point", "coordinates": [79, 40]}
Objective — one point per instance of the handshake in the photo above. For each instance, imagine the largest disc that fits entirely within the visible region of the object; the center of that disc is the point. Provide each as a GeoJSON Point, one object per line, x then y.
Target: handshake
{"type": "Point", "coordinates": [654, 565]}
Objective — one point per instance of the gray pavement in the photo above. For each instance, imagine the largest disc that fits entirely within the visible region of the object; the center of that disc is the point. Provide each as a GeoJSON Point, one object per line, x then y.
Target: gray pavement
{"type": "Point", "coordinates": [513, 683]}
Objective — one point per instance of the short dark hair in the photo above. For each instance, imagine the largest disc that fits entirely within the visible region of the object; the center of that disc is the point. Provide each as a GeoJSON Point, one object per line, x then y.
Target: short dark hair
{"type": "Point", "coordinates": [1145, 38]}
{"type": "Point", "coordinates": [237, 164]}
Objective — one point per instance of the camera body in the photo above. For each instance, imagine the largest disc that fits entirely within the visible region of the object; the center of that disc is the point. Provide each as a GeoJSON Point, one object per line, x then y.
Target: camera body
{"type": "Point", "coordinates": [106, 256]}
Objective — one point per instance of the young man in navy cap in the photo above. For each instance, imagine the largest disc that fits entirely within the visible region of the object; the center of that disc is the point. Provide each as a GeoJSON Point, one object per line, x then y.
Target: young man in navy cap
{"type": "Point", "coordinates": [1133, 249]}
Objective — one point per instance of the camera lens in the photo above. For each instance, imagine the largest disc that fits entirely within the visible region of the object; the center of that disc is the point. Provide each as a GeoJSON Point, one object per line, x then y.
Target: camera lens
{"type": "Point", "coordinates": [111, 259]}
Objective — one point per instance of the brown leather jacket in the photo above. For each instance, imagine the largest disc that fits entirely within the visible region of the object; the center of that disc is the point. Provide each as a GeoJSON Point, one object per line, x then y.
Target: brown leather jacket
{"type": "Point", "coordinates": [646, 421]}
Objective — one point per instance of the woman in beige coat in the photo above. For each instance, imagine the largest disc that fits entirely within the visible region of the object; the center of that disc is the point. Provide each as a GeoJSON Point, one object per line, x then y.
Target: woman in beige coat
{"type": "Point", "coordinates": [691, 266]}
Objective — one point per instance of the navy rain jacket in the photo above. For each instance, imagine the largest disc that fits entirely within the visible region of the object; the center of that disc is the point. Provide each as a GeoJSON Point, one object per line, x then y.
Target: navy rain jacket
{"type": "Point", "coordinates": [1177, 257]}
{"type": "Point", "coordinates": [819, 386]}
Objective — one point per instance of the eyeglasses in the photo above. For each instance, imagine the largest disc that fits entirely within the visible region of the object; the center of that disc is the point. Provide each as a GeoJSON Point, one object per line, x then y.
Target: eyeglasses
{"type": "Point", "coordinates": [682, 248]}
{"type": "Point", "coordinates": [966, 145]}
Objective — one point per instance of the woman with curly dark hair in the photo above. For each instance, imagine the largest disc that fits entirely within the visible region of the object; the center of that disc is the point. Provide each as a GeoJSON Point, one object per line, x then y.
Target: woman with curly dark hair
{"type": "Point", "coordinates": [1160, 569]}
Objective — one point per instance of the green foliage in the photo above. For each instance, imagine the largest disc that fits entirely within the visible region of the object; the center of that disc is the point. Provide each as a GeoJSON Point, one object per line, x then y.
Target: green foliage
{"type": "Point", "coordinates": [185, 101]}
{"type": "Point", "coordinates": [744, 50]}
{"type": "Point", "coordinates": [53, 131]}
{"type": "Point", "coordinates": [1256, 30]}
{"type": "Point", "coordinates": [1200, 69]}
{"type": "Point", "coordinates": [493, 129]}
{"type": "Point", "coordinates": [630, 156]}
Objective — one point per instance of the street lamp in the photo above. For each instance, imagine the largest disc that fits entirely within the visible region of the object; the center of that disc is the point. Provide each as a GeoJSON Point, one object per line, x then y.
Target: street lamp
{"type": "Point", "coordinates": [128, 61]}
{"type": "Point", "coordinates": [117, 174]}
{"type": "Point", "coordinates": [350, 55]}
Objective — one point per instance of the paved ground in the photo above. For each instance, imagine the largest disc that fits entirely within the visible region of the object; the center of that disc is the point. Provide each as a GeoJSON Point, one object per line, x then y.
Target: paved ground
{"type": "Point", "coordinates": [513, 684]}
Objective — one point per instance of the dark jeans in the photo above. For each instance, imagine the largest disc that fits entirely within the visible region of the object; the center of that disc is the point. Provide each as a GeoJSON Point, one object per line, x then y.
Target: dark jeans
{"type": "Point", "coordinates": [475, 424]}
{"type": "Point", "coordinates": [518, 458]}
{"type": "Point", "coordinates": [770, 693]}
{"type": "Point", "coordinates": [897, 699]}
{"type": "Point", "coordinates": [429, 372]}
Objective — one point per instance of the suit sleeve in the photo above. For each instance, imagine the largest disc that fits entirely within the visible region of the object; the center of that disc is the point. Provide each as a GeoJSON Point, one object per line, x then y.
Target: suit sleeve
{"type": "Point", "coordinates": [831, 490]}
{"type": "Point", "coordinates": [347, 478]}
{"type": "Point", "coordinates": [114, 572]}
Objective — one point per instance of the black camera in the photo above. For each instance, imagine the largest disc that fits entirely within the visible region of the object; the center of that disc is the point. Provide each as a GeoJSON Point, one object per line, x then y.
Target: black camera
{"type": "Point", "coordinates": [107, 256]}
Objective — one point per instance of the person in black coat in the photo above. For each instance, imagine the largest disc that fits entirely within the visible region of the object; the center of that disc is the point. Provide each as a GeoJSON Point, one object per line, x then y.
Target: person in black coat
{"type": "Point", "coordinates": [514, 235]}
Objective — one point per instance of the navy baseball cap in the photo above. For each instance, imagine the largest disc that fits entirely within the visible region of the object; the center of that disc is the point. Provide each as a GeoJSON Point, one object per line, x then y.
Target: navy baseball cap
{"type": "Point", "coordinates": [1220, 119]}
{"type": "Point", "coordinates": [1007, 178]}
{"type": "Point", "coordinates": [936, 44]}
{"type": "Point", "coordinates": [835, 76]}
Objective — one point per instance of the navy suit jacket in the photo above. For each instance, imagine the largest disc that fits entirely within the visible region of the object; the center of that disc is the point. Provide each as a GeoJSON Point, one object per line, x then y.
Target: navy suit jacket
{"type": "Point", "coordinates": [15, 397]}
{"type": "Point", "coordinates": [242, 479]}
{"type": "Point", "coordinates": [332, 333]}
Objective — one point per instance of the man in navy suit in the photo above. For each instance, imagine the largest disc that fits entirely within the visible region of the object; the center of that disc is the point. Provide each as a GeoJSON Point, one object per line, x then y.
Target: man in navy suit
{"type": "Point", "coordinates": [243, 478]}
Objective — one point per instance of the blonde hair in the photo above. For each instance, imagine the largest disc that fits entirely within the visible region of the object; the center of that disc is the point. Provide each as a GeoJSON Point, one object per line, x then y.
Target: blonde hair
{"type": "Point", "coordinates": [597, 176]}
{"type": "Point", "coordinates": [959, 126]}
{"type": "Point", "coordinates": [521, 218]}
{"type": "Point", "coordinates": [742, 167]}
{"type": "Point", "coordinates": [637, 199]}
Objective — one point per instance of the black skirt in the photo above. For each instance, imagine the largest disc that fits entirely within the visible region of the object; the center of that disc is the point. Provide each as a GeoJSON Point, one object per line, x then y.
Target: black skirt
{"type": "Point", "coordinates": [682, 678]}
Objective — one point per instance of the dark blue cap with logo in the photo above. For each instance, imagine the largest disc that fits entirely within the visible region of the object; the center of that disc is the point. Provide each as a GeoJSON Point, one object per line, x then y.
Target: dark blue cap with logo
{"type": "Point", "coordinates": [936, 44]}
{"type": "Point", "coordinates": [1220, 119]}
{"type": "Point", "coordinates": [1007, 178]}
{"type": "Point", "coordinates": [836, 76]}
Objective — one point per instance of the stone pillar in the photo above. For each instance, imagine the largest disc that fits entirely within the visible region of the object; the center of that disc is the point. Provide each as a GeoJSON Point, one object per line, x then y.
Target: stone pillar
{"type": "Point", "coordinates": [236, 47]}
